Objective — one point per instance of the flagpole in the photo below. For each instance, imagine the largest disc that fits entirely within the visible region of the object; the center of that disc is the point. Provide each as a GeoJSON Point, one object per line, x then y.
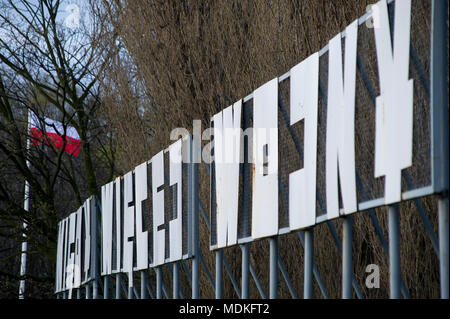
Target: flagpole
{"type": "Point", "coordinates": [26, 206]}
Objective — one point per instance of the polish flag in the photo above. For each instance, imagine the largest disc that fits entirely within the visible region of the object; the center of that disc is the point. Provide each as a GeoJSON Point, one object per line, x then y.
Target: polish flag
{"type": "Point", "coordinates": [54, 132]}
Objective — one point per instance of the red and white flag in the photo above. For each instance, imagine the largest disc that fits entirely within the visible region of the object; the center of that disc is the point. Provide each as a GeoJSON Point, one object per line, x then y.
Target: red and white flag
{"type": "Point", "coordinates": [53, 132]}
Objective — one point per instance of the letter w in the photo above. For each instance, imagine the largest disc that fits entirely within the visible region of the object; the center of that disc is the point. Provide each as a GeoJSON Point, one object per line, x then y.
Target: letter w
{"type": "Point", "coordinates": [227, 142]}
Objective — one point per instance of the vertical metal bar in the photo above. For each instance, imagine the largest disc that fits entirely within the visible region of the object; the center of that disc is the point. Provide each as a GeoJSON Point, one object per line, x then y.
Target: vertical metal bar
{"type": "Point", "coordinates": [308, 292]}
{"type": "Point", "coordinates": [320, 283]}
{"type": "Point", "coordinates": [273, 279]}
{"type": "Point", "coordinates": [94, 250]}
{"type": "Point", "coordinates": [384, 244]}
{"type": "Point", "coordinates": [189, 200]}
{"type": "Point", "coordinates": [176, 271]}
{"type": "Point", "coordinates": [394, 251]}
{"type": "Point", "coordinates": [195, 208]}
{"type": "Point", "coordinates": [118, 286]}
{"type": "Point", "coordinates": [339, 246]}
{"type": "Point", "coordinates": [439, 131]}
{"type": "Point", "coordinates": [79, 293]}
{"type": "Point", "coordinates": [245, 271]}
{"type": "Point", "coordinates": [219, 273]}
{"type": "Point", "coordinates": [439, 95]}
{"type": "Point", "coordinates": [176, 278]}
{"type": "Point", "coordinates": [158, 282]}
{"type": "Point", "coordinates": [443, 245]}
{"type": "Point", "coordinates": [130, 292]}
{"type": "Point", "coordinates": [99, 254]}
{"type": "Point", "coordinates": [144, 283]}
{"type": "Point", "coordinates": [347, 258]}
{"type": "Point", "coordinates": [95, 289]}
{"type": "Point", "coordinates": [106, 287]}
{"type": "Point", "coordinates": [88, 290]}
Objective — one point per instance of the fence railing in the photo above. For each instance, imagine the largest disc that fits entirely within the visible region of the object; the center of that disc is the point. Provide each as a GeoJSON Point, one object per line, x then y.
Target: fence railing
{"type": "Point", "coordinates": [204, 259]}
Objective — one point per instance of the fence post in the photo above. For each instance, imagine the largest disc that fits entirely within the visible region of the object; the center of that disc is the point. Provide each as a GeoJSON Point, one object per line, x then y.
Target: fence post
{"type": "Point", "coordinates": [394, 251]}
{"type": "Point", "coordinates": [95, 289]}
{"type": "Point", "coordinates": [308, 292]}
{"type": "Point", "coordinates": [439, 124]}
{"type": "Point", "coordinates": [176, 289]}
{"type": "Point", "coordinates": [118, 286]}
{"type": "Point", "coordinates": [273, 279]}
{"type": "Point", "coordinates": [106, 287]}
{"type": "Point", "coordinates": [347, 258]}
{"type": "Point", "coordinates": [443, 245]}
{"type": "Point", "coordinates": [195, 207]}
{"type": "Point", "coordinates": [158, 282]}
{"type": "Point", "coordinates": [94, 249]}
{"type": "Point", "coordinates": [245, 270]}
{"type": "Point", "coordinates": [219, 273]}
{"type": "Point", "coordinates": [130, 292]}
{"type": "Point", "coordinates": [144, 282]}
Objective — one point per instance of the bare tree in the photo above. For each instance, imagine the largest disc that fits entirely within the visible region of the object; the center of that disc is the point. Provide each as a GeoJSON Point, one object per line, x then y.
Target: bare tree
{"type": "Point", "coordinates": [49, 66]}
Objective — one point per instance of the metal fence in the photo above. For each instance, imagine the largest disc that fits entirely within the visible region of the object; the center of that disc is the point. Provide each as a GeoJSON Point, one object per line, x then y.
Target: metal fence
{"type": "Point", "coordinates": [428, 69]}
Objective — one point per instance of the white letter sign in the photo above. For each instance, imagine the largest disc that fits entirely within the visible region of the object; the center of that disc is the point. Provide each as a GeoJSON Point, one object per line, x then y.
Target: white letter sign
{"type": "Point", "coordinates": [302, 183]}
{"type": "Point", "coordinates": [128, 227]}
{"type": "Point", "coordinates": [394, 106]}
{"type": "Point", "coordinates": [227, 153]}
{"type": "Point", "coordinates": [140, 176]}
{"type": "Point", "coordinates": [158, 209]}
{"type": "Point", "coordinates": [107, 231]}
{"type": "Point", "coordinates": [265, 159]}
{"type": "Point", "coordinates": [175, 225]}
{"type": "Point", "coordinates": [340, 148]}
